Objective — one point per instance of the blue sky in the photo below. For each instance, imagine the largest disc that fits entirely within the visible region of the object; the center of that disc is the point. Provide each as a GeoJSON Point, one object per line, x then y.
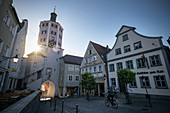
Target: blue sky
{"type": "Point", "coordinates": [95, 20]}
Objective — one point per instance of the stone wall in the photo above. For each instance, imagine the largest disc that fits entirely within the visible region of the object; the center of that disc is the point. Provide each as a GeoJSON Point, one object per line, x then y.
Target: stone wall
{"type": "Point", "coordinates": [29, 104]}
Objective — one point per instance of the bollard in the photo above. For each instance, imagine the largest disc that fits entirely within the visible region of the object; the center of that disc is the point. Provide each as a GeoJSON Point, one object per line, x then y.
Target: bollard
{"type": "Point", "coordinates": [54, 104]}
{"type": "Point", "coordinates": [76, 108]}
{"type": "Point", "coordinates": [62, 106]}
{"type": "Point", "coordinates": [51, 102]}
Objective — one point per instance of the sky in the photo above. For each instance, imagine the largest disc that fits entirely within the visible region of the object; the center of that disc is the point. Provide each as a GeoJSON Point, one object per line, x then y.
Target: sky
{"type": "Point", "coordinates": [95, 20]}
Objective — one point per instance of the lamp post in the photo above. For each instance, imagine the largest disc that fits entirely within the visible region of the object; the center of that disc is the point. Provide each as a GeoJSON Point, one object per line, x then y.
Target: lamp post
{"type": "Point", "coordinates": [143, 79]}
{"type": "Point", "coordinates": [147, 95]}
{"type": "Point", "coordinates": [15, 58]}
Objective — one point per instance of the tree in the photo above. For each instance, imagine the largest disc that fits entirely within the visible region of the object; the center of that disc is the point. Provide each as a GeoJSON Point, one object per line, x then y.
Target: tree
{"type": "Point", "coordinates": [88, 82]}
{"type": "Point", "coordinates": [126, 76]}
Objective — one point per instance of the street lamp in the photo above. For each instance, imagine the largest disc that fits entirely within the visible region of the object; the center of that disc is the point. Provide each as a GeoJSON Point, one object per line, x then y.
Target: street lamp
{"type": "Point", "coordinates": [15, 58]}
{"type": "Point", "coordinates": [147, 95]}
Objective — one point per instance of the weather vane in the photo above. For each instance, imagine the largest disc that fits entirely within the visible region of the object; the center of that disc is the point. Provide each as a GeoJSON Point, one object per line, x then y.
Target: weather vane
{"type": "Point", "coordinates": [54, 8]}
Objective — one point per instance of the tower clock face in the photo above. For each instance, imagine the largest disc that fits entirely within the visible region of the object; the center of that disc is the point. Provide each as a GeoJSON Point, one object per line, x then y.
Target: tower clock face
{"type": "Point", "coordinates": [51, 42]}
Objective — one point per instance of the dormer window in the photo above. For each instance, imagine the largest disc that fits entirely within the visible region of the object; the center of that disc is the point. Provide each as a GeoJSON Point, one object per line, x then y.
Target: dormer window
{"type": "Point", "coordinates": [90, 52]}
{"type": "Point", "coordinates": [125, 37]}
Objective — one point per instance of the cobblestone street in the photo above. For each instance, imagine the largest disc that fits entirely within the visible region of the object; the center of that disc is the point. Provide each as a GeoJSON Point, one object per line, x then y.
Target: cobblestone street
{"type": "Point", "coordinates": [97, 105]}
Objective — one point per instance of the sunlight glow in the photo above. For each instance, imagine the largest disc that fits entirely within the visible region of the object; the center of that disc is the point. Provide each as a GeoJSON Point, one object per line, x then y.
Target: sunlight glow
{"type": "Point", "coordinates": [37, 48]}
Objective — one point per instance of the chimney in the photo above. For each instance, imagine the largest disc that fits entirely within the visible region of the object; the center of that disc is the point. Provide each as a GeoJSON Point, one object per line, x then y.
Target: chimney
{"type": "Point", "coordinates": [107, 46]}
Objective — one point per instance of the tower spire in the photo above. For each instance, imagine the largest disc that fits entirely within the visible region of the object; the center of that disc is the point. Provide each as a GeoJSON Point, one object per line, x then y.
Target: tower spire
{"type": "Point", "coordinates": [53, 15]}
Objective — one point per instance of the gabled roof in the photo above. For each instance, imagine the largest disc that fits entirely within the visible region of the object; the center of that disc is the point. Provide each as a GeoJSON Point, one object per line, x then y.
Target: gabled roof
{"type": "Point", "coordinates": [102, 51]}
{"type": "Point", "coordinates": [70, 59]}
{"type": "Point", "coordinates": [36, 53]}
{"type": "Point", "coordinates": [127, 28]}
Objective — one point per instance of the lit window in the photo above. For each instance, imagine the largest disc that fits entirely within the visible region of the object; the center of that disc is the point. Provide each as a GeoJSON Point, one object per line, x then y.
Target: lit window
{"type": "Point", "coordinates": [155, 60]}
{"type": "Point", "coordinates": [118, 51]}
{"type": "Point", "coordinates": [125, 37]}
{"type": "Point", "coordinates": [137, 45]}
{"type": "Point", "coordinates": [127, 48]}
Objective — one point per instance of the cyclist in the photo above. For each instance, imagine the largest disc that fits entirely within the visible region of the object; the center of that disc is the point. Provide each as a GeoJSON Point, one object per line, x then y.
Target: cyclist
{"type": "Point", "coordinates": [110, 94]}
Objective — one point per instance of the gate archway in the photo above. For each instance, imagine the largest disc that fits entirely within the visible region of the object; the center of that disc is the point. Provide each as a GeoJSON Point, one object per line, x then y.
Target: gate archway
{"type": "Point", "coordinates": [47, 89]}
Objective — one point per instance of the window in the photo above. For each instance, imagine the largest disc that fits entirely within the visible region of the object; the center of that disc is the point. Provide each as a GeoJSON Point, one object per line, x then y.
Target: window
{"type": "Point", "coordinates": [82, 70]}
{"type": "Point", "coordinates": [127, 48]}
{"type": "Point", "coordinates": [155, 60]}
{"type": "Point", "coordinates": [55, 26]}
{"type": "Point", "coordinates": [111, 67]}
{"type": "Point", "coordinates": [90, 52]}
{"type": "Point", "coordinates": [60, 36]}
{"type": "Point", "coordinates": [48, 70]}
{"type": "Point", "coordinates": [7, 18]}
{"type": "Point", "coordinates": [6, 50]}
{"type": "Point", "coordinates": [44, 39]}
{"type": "Point", "coordinates": [129, 64]}
{"type": "Point", "coordinates": [145, 82]}
{"type": "Point", "coordinates": [1, 45]}
{"type": "Point", "coordinates": [59, 44]}
{"type": "Point", "coordinates": [52, 25]}
{"type": "Point", "coordinates": [133, 84]}
{"type": "Point", "coordinates": [46, 24]}
{"type": "Point", "coordinates": [125, 37]}
{"type": "Point", "coordinates": [35, 64]}
{"type": "Point", "coordinates": [94, 69]}
{"type": "Point", "coordinates": [43, 24]}
{"type": "Point", "coordinates": [1, 77]}
{"type": "Point", "coordinates": [12, 28]}
{"type": "Point", "coordinates": [118, 51]}
{"type": "Point", "coordinates": [140, 63]}
{"type": "Point", "coordinates": [77, 78]}
{"type": "Point", "coordinates": [70, 78]}
{"type": "Point", "coordinates": [70, 67]}
{"type": "Point", "coordinates": [77, 68]}
{"type": "Point", "coordinates": [113, 82]}
{"type": "Point", "coordinates": [160, 81]}
{"type": "Point", "coordinates": [86, 60]}
{"type": "Point", "coordinates": [51, 32]}
{"type": "Point", "coordinates": [41, 40]}
{"type": "Point", "coordinates": [119, 66]}
{"type": "Point", "coordinates": [137, 45]}
{"type": "Point", "coordinates": [100, 68]}
{"type": "Point", "coordinates": [86, 70]}
{"type": "Point", "coordinates": [43, 32]}
{"type": "Point", "coordinates": [100, 74]}
{"type": "Point", "coordinates": [95, 58]}
{"type": "Point", "coordinates": [90, 70]}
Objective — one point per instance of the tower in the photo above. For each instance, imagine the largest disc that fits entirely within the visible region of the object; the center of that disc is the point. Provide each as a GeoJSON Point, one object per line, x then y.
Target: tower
{"type": "Point", "coordinates": [50, 33]}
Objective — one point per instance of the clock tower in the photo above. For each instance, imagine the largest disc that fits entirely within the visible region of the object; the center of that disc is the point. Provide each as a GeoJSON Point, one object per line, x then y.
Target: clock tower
{"type": "Point", "coordinates": [50, 34]}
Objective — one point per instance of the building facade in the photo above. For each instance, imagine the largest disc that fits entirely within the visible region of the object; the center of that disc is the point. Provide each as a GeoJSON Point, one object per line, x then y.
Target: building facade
{"type": "Point", "coordinates": [44, 64]}
{"type": "Point", "coordinates": [94, 62]}
{"type": "Point", "coordinates": [9, 26]}
{"type": "Point", "coordinates": [69, 75]}
{"type": "Point", "coordinates": [146, 56]}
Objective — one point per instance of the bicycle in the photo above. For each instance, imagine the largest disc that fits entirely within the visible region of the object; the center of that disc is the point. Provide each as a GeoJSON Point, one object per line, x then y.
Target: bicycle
{"type": "Point", "coordinates": [113, 103]}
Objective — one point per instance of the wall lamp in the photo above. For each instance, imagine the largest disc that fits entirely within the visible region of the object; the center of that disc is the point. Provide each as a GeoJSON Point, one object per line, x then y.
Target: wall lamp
{"type": "Point", "coordinates": [15, 58]}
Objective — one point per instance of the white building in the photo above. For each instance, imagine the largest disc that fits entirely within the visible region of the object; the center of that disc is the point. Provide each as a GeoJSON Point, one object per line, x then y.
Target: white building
{"type": "Point", "coordinates": [16, 73]}
{"type": "Point", "coordinates": [129, 49]}
{"type": "Point", "coordinates": [44, 64]}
